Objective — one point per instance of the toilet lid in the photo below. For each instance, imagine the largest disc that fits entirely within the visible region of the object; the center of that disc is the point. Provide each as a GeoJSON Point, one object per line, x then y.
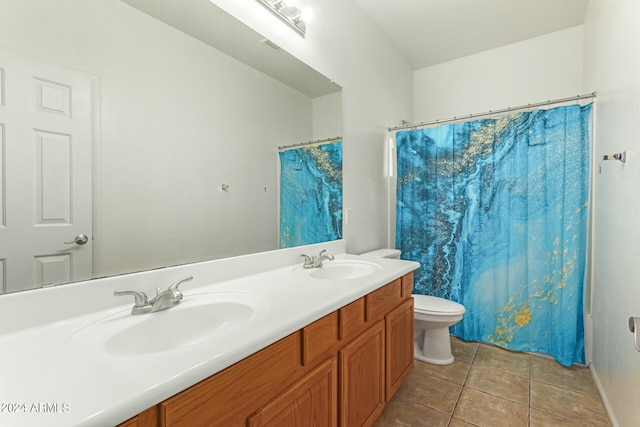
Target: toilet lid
{"type": "Point", "coordinates": [429, 304]}
{"type": "Point", "coordinates": [384, 253]}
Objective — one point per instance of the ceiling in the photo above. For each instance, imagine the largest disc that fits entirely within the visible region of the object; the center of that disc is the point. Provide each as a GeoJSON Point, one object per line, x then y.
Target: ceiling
{"type": "Point", "coordinates": [425, 32]}
{"type": "Point", "coordinates": [228, 35]}
{"type": "Point", "coordinates": [428, 32]}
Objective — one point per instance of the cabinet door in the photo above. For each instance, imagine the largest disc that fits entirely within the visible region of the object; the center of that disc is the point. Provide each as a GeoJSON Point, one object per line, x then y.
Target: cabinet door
{"type": "Point", "coordinates": [311, 402]}
{"type": "Point", "coordinates": [228, 397]}
{"type": "Point", "coordinates": [399, 346]}
{"type": "Point", "coordinates": [148, 418]}
{"type": "Point", "coordinates": [362, 378]}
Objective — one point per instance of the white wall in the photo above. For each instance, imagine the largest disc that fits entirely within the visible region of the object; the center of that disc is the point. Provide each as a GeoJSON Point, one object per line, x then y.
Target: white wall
{"type": "Point", "coordinates": [165, 96]}
{"type": "Point", "coordinates": [327, 116]}
{"type": "Point", "coordinates": [377, 93]}
{"type": "Point", "coordinates": [612, 68]}
{"type": "Point", "coordinates": [534, 70]}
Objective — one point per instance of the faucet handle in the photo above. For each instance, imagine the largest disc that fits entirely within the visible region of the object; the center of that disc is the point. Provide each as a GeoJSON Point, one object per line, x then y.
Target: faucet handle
{"type": "Point", "coordinates": [140, 297]}
{"type": "Point", "coordinates": [327, 255]}
{"type": "Point", "coordinates": [176, 284]}
{"type": "Point", "coordinates": [307, 259]}
{"type": "Point", "coordinates": [174, 287]}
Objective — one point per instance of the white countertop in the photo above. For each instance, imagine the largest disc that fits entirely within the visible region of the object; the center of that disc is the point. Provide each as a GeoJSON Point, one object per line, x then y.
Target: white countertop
{"type": "Point", "coordinates": [46, 378]}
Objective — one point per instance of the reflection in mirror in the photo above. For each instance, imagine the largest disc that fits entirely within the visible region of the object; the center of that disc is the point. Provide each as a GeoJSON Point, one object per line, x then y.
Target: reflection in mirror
{"type": "Point", "coordinates": [310, 193]}
{"type": "Point", "coordinates": [154, 139]}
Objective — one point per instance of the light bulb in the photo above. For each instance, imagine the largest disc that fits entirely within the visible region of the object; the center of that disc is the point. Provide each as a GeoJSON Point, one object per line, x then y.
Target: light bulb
{"type": "Point", "coordinates": [306, 14]}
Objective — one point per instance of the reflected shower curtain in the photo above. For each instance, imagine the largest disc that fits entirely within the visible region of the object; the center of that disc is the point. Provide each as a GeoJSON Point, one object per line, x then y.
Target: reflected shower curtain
{"type": "Point", "coordinates": [310, 194]}
{"type": "Point", "coordinates": [495, 210]}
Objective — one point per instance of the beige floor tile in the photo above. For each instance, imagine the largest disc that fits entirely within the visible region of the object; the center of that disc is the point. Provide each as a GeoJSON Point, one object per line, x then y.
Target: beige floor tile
{"type": "Point", "coordinates": [488, 386]}
{"type": "Point", "coordinates": [459, 423]}
{"type": "Point", "coordinates": [403, 413]}
{"type": "Point", "coordinates": [576, 378]}
{"type": "Point", "coordinates": [499, 383]}
{"type": "Point", "coordinates": [455, 372]}
{"type": "Point", "coordinates": [485, 410]}
{"type": "Point", "coordinates": [463, 350]}
{"type": "Point", "coordinates": [431, 391]}
{"type": "Point", "coordinates": [494, 357]}
{"type": "Point", "coordinates": [579, 407]}
{"type": "Point", "coordinates": [544, 419]}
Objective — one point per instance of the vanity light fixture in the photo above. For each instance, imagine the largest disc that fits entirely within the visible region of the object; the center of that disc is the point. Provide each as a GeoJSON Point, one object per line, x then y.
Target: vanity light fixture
{"type": "Point", "coordinates": [288, 13]}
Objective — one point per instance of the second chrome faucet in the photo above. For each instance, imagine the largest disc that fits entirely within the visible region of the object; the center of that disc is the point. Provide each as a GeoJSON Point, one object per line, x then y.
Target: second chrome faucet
{"type": "Point", "coordinates": [316, 261]}
{"type": "Point", "coordinates": [162, 301]}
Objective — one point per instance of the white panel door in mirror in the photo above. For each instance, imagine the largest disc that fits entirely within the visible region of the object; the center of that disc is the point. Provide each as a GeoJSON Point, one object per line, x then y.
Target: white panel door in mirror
{"type": "Point", "coordinates": [52, 270]}
{"type": "Point", "coordinates": [3, 201]}
{"type": "Point", "coordinates": [53, 178]}
{"type": "Point", "coordinates": [52, 97]}
{"type": "Point", "coordinates": [46, 172]}
{"type": "Point", "coordinates": [1, 86]}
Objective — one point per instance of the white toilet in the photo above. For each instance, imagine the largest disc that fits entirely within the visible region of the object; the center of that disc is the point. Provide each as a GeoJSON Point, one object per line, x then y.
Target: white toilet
{"type": "Point", "coordinates": [432, 318]}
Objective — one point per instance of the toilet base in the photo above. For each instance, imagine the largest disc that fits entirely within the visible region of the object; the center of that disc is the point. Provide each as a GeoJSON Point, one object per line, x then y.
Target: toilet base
{"type": "Point", "coordinates": [417, 354]}
{"type": "Point", "coordinates": [433, 345]}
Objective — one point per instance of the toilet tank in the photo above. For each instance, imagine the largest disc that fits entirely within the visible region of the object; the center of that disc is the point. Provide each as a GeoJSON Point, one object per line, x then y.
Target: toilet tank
{"type": "Point", "coordinates": [384, 253]}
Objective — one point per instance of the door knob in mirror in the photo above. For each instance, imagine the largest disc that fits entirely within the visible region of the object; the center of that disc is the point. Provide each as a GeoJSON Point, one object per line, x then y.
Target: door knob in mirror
{"type": "Point", "coordinates": [79, 240]}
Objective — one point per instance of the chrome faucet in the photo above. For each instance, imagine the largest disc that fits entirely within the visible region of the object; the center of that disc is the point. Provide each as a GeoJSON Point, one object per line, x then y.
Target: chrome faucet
{"type": "Point", "coordinates": [316, 261]}
{"type": "Point", "coordinates": [141, 305]}
{"type": "Point", "coordinates": [169, 298]}
{"type": "Point", "coordinates": [162, 301]}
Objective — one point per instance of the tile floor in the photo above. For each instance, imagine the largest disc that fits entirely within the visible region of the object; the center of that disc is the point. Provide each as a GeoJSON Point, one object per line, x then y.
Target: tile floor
{"type": "Point", "coordinates": [492, 387]}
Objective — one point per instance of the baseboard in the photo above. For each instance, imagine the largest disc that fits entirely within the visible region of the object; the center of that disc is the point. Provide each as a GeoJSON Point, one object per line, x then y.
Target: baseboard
{"type": "Point", "coordinates": [603, 395]}
{"type": "Point", "coordinates": [588, 339]}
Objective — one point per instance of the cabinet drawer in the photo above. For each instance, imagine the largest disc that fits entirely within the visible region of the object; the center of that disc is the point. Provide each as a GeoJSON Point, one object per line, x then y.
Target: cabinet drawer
{"type": "Point", "coordinates": [407, 285]}
{"type": "Point", "coordinates": [319, 338]}
{"type": "Point", "coordinates": [383, 300]}
{"type": "Point", "coordinates": [223, 395]}
{"type": "Point", "coordinates": [352, 319]}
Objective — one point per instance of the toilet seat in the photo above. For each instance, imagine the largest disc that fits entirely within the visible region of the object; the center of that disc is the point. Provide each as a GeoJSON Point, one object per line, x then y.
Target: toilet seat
{"type": "Point", "coordinates": [427, 304]}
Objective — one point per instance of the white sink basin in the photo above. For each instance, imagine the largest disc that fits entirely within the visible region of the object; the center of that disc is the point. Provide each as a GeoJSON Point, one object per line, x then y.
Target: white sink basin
{"type": "Point", "coordinates": [198, 318]}
{"type": "Point", "coordinates": [342, 270]}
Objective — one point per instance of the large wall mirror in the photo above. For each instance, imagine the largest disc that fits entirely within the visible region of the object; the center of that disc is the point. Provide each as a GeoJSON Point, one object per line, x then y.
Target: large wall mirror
{"type": "Point", "coordinates": [153, 138]}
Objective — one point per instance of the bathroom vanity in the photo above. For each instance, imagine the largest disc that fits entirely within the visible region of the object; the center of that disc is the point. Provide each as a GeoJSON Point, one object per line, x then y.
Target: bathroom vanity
{"type": "Point", "coordinates": [257, 341]}
{"type": "Point", "coordinates": [339, 370]}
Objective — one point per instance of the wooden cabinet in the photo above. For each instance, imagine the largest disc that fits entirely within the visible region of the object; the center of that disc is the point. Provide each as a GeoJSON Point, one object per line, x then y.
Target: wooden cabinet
{"type": "Point", "coordinates": [226, 398]}
{"type": "Point", "coordinates": [352, 320]}
{"type": "Point", "coordinates": [381, 301]}
{"type": "Point", "coordinates": [399, 346]}
{"type": "Point", "coordinates": [337, 371]}
{"type": "Point", "coordinates": [312, 401]}
{"type": "Point", "coordinates": [319, 339]}
{"type": "Point", "coordinates": [362, 378]}
{"type": "Point", "coordinates": [147, 418]}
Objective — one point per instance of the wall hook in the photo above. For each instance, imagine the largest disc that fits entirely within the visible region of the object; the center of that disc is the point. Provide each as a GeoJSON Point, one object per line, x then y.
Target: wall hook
{"type": "Point", "coordinates": [225, 187]}
{"type": "Point", "coordinates": [618, 156]}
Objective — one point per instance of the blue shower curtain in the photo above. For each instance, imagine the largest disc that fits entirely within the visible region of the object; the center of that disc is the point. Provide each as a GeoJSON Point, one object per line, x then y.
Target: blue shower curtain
{"type": "Point", "coordinates": [495, 210]}
{"type": "Point", "coordinates": [311, 194]}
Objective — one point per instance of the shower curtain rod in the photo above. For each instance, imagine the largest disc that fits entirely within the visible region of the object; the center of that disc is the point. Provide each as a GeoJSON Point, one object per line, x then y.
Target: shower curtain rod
{"type": "Point", "coordinates": [319, 141]}
{"type": "Point", "coordinates": [492, 112]}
